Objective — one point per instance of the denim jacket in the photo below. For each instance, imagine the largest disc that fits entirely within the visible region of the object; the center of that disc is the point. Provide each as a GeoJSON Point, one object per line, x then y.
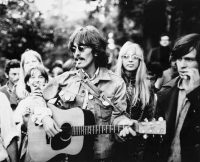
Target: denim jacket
{"type": "Point", "coordinates": [76, 94]}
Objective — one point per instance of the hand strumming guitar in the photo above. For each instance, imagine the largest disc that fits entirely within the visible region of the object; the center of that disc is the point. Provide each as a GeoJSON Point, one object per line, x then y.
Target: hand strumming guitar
{"type": "Point", "coordinates": [50, 126]}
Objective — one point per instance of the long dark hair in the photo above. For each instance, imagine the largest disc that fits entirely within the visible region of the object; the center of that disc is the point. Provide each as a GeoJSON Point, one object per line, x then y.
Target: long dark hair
{"type": "Point", "coordinates": [91, 37]}
{"type": "Point", "coordinates": [186, 44]}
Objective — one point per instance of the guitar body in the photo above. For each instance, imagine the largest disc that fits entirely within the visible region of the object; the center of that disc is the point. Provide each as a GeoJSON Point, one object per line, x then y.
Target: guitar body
{"type": "Point", "coordinates": [41, 149]}
{"type": "Point", "coordinates": [76, 123]}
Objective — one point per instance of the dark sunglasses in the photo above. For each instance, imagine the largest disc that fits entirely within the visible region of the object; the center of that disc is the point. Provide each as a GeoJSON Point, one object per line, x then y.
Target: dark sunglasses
{"type": "Point", "coordinates": [80, 47]}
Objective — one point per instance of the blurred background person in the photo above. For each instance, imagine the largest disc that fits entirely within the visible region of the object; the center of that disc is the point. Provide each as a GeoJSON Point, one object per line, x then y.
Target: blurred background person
{"type": "Point", "coordinates": [12, 69]}
{"type": "Point", "coordinates": [3, 78]}
{"type": "Point", "coordinates": [69, 65]}
{"type": "Point", "coordinates": [29, 59]}
{"type": "Point", "coordinates": [112, 58]}
{"type": "Point", "coordinates": [161, 53]}
{"type": "Point", "coordinates": [140, 98]}
{"type": "Point", "coordinates": [154, 73]}
{"type": "Point", "coordinates": [167, 75]}
{"type": "Point", "coordinates": [57, 68]}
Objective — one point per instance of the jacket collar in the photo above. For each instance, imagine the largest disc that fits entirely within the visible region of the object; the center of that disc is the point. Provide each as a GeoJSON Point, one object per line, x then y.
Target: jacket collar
{"type": "Point", "coordinates": [103, 75]}
{"type": "Point", "coordinates": [172, 83]}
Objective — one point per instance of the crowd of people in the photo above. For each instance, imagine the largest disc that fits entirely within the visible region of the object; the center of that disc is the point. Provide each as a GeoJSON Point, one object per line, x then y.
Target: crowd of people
{"type": "Point", "coordinates": [134, 89]}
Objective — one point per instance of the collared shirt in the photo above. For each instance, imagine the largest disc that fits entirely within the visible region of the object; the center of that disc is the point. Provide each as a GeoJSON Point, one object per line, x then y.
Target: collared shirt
{"type": "Point", "coordinates": [94, 76]}
{"type": "Point", "coordinates": [182, 109]}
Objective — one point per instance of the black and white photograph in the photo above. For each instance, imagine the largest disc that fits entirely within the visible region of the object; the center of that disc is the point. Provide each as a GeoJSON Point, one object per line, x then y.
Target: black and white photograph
{"type": "Point", "coordinates": [99, 80]}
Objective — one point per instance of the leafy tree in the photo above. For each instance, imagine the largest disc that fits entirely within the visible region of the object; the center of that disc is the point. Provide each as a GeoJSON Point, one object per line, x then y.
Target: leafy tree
{"type": "Point", "coordinates": [21, 28]}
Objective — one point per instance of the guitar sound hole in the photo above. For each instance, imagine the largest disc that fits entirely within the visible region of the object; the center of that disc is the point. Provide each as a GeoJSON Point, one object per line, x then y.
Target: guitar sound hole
{"type": "Point", "coordinates": [66, 132]}
{"type": "Point", "coordinates": [62, 139]}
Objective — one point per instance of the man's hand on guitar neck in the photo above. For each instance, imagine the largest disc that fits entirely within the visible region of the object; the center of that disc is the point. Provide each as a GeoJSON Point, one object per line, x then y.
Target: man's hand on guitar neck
{"type": "Point", "coordinates": [127, 129]}
{"type": "Point", "coordinates": [50, 126]}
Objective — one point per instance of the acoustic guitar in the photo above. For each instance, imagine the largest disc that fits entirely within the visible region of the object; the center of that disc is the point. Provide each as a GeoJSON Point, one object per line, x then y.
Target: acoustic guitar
{"type": "Point", "coordinates": [74, 126]}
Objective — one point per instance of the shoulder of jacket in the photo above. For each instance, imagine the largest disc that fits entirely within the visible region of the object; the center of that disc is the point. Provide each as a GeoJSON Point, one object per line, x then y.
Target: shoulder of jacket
{"type": "Point", "coordinates": [114, 75]}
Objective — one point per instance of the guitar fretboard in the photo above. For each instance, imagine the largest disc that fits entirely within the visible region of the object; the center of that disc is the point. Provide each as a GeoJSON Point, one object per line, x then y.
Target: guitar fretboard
{"type": "Point", "coordinates": [96, 129]}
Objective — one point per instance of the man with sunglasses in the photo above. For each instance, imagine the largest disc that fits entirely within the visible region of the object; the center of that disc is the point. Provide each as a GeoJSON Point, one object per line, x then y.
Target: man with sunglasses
{"type": "Point", "coordinates": [179, 103]}
{"type": "Point", "coordinates": [88, 47]}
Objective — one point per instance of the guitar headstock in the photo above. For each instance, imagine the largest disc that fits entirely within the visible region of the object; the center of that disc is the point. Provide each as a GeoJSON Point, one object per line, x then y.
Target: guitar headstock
{"type": "Point", "coordinates": [151, 127]}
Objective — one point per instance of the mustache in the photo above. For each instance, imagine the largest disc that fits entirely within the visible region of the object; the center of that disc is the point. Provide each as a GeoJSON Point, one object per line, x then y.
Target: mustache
{"type": "Point", "coordinates": [79, 58]}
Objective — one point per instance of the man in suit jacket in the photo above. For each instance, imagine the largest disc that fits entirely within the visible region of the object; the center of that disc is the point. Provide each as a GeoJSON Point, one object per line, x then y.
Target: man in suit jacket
{"type": "Point", "coordinates": [179, 103]}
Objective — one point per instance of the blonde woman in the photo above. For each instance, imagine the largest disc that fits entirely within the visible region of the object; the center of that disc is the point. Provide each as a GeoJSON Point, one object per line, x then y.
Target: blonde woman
{"type": "Point", "coordinates": [29, 59]}
{"type": "Point", "coordinates": [140, 98]}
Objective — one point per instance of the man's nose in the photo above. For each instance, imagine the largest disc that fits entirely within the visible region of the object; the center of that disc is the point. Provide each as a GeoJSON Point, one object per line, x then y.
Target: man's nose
{"type": "Point", "coordinates": [182, 63]}
{"type": "Point", "coordinates": [76, 53]}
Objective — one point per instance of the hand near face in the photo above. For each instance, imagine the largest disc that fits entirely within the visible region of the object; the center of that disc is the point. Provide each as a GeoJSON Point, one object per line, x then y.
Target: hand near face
{"type": "Point", "coordinates": [191, 78]}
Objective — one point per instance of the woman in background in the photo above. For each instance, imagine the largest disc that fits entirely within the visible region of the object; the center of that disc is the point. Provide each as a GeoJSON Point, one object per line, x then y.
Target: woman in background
{"type": "Point", "coordinates": [140, 98]}
{"type": "Point", "coordinates": [29, 59]}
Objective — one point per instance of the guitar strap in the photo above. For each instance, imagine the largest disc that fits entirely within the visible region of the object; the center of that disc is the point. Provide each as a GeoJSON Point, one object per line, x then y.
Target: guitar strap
{"type": "Point", "coordinates": [98, 93]}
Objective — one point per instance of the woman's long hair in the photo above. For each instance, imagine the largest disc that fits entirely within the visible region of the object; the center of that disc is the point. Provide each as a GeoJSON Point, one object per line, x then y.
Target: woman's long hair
{"type": "Point", "coordinates": [21, 87]}
{"type": "Point", "coordinates": [142, 84]}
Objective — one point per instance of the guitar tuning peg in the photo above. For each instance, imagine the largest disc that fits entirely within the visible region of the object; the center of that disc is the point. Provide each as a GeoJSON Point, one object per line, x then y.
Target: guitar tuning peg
{"type": "Point", "coordinates": [145, 136]}
{"type": "Point", "coordinates": [160, 119]}
{"type": "Point", "coordinates": [145, 120]}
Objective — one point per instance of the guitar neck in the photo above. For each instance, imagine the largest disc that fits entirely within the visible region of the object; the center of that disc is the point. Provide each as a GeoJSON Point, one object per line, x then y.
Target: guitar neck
{"type": "Point", "coordinates": [96, 129]}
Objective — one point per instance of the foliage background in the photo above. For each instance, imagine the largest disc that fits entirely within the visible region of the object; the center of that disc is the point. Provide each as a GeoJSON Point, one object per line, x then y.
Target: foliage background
{"type": "Point", "coordinates": [23, 26]}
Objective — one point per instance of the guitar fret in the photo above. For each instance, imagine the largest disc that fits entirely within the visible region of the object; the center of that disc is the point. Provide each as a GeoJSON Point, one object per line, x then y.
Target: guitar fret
{"type": "Point", "coordinates": [84, 129]}
{"type": "Point", "coordinates": [148, 128]}
{"type": "Point", "coordinates": [74, 131]}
